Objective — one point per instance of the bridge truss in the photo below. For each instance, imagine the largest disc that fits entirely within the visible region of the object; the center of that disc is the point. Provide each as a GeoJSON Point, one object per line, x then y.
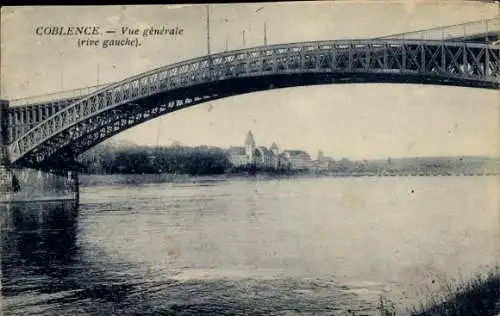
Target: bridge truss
{"type": "Point", "coordinates": [116, 107]}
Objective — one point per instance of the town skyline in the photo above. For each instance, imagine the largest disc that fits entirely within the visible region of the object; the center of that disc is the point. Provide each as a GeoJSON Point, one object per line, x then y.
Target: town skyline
{"type": "Point", "coordinates": [117, 142]}
{"type": "Point", "coordinates": [253, 157]}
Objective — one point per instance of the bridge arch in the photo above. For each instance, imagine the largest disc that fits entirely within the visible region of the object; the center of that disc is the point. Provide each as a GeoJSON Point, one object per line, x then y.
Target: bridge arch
{"type": "Point", "coordinates": [122, 105]}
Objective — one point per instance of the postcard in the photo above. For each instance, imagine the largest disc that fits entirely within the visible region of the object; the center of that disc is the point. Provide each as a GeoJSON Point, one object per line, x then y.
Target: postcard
{"type": "Point", "coordinates": [286, 158]}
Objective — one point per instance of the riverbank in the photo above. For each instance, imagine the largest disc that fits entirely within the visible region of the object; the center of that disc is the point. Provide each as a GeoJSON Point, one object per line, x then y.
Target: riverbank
{"type": "Point", "coordinates": [478, 296]}
{"type": "Point", "coordinates": [137, 179]}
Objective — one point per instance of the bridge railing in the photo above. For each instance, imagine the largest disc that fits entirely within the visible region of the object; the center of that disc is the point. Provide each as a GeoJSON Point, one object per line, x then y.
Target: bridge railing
{"type": "Point", "coordinates": [458, 31]}
{"type": "Point", "coordinates": [56, 96]}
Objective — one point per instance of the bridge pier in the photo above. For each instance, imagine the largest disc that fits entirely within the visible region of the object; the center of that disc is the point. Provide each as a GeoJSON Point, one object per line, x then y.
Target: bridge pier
{"type": "Point", "coordinates": [26, 184]}
{"type": "Point", "coordinates": [5, 172]}
{"type": "Point", "coordinates": [32, 185]}
{"type": "Point", "coordinates": [4, 131]}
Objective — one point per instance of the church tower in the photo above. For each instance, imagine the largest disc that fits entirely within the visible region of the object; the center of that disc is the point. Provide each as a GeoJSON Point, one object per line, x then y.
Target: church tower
{"type": "Point", "coordinates": [250, 147]}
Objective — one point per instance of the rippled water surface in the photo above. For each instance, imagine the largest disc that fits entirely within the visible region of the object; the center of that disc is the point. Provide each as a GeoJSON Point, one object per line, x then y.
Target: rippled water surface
{"type": "Point", "coordinates": [260, 247]}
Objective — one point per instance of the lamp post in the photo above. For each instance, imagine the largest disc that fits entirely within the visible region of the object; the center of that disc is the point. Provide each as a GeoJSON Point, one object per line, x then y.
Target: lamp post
{"type": "Point", "coordinates": [265, 33]}
{"type": "Point", "coordinates": [265, 26]}
{"type": "Point", "coordinates": [208, 30]}
{"type": "Point", "coordinates": [227, 35]}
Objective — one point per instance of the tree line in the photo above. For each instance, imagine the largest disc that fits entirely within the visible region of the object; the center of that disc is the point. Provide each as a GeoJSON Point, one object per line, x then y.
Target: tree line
{"type": "Point", "coordinates": [207, 160]}
{"type": "Point", "coordinates": [201, 160]}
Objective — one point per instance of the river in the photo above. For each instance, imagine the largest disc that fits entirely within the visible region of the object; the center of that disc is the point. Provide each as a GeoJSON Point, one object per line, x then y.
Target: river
{"type": "Point", "coordinates": [322, 246]}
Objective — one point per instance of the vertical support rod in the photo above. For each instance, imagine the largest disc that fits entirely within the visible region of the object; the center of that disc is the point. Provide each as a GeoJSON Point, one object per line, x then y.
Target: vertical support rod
{"type": "Point", "coordinates": [351, 59]}
{"type": "Point", "coordinates": [334, 58]}
{"type": "Point", "coordinates": [443, 60]}
{"type": "Point", "coordinates": [422, 54]}
{"type": "Point", "coordinates": [487, 61]}
{"type": "Point", "coordinates": [464, 59]}
{"type": "Point", "coordinates": [386, 57]}
{"type": "Point", "coordinates": [422, 58]}
{"type": "Point", "coordinates": [403, 55]}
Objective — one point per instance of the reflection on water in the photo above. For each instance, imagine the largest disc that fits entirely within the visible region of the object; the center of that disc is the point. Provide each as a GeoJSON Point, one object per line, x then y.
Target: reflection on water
{"type": "Point", "coordinates": [38, 240]}
{"type": "Point", "coordinates": [42, 270]}
{"type": "Point", "coordinates": [317, 246]}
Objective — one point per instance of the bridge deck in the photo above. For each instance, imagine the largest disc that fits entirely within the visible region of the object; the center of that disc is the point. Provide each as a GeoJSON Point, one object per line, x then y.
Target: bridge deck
{"type": "Point", "coordinates": [55, 97]}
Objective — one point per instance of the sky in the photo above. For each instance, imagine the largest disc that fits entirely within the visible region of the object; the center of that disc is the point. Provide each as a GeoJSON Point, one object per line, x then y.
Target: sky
{"type": "Point", "coordinates": [359, 121]}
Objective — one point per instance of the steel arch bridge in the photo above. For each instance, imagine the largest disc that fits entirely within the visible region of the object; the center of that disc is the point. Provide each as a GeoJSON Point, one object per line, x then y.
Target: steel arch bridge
{"type": "Point", "coordinates": [82, 122]}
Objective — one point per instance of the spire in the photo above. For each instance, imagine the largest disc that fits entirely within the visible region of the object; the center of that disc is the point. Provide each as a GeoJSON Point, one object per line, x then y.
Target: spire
{"type": "Point", "coordinates": [249, 140]}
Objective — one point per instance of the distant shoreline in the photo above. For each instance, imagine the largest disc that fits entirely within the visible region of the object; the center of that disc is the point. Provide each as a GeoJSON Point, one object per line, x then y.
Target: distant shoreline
{"type": "Point", "coordinates": [207, 160]}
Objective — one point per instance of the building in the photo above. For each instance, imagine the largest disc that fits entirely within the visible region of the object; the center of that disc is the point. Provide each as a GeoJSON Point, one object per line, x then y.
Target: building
{"type": "Point", "coordinates": [238, 156]}
{"type": "Point", "coordinates": [262, 157]}
{"type": "Point", "coordinates": [297, 159]}
{"type": "Point", "coordinates": [251, 154]}
{"type": "Point", "coordinates": [275, 150]}
{"type": "Point", "coordinates": [322, 163]}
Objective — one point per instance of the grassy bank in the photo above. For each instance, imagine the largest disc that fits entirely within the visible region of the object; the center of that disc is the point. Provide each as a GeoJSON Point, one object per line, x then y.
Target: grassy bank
{"type": "Point", "coordinates": [478, 296]}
